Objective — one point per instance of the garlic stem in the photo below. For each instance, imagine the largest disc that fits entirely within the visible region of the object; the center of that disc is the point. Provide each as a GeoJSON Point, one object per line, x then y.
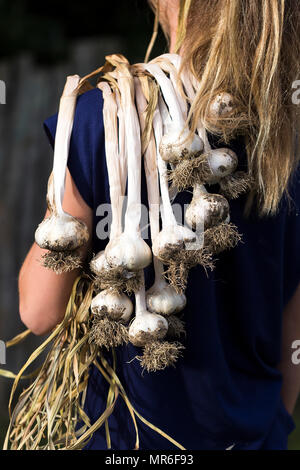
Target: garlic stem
{"type": "Point", "coordinates": [122, 143]}
{"type": "Point", "coordinates": [140, 298]}
{"type": "Point", "coordinates": [133, 144]}
{"type": "Point", "coordinates": [62, 139]}
{"type": "Point", "coordinates": [168, 216]}
{"type": "Point", "coordinates": [169, 94]}
{"type": "Point", "coordinates": [112, 158]}
{"type": "Point", "coordinates": [168, 66]}
{"type": "Point", "coordinates": [150, 164]}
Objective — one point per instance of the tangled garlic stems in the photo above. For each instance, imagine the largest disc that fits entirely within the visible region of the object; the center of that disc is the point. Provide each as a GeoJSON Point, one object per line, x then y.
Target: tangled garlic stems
{"type": "Point", "coordinates": [61, 233]}
{"type": "Point", "coordinates": [161, 298]}
{"type": "Point", "coordinates": [107, 276]}
{"type": "Point", "coordinates": [129, 250]}
{"type": "Point", "coordinates": [177, 144]}
{"type": "Point", "coordinates": [175, 244]}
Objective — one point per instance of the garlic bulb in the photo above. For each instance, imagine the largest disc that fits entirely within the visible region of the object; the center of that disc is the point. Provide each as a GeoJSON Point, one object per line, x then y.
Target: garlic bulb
{"type": "Point", "coordinates": [117, 307]}
{"type": "Point", "coordinates": [206, 210]}
{"type": "Point", "coordinates": [146, 327]}
{"type": "Point", "coordinates": [163, 299]}
{"type": "Point", "coordinates": [129, 251]}
{"type": "Point", "coordinates": [177, 143]}
{"type": "Point", "coordinates": [222, 105]}
{"type": "Point", "coordinates": [61, 232]}
{"type": "Point", "coordinates": [172, 238]}
{"type": "Point", "coordinates": [222, 162]}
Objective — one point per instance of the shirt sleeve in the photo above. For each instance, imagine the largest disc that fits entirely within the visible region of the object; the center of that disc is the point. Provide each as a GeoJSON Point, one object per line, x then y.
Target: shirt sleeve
{"type": "Point", "coordinates": [292, 238]}
{"type": "Point", "coordinates": [86, 140]}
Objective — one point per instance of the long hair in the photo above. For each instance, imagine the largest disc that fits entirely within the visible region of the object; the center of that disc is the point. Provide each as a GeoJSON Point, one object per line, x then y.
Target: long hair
{"type": "Point", "coordinates": [250, 49]}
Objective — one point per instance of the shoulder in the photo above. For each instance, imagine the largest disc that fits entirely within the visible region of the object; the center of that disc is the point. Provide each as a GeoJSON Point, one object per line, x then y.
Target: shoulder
{"type": "Point", "coordinates": [88, 114]}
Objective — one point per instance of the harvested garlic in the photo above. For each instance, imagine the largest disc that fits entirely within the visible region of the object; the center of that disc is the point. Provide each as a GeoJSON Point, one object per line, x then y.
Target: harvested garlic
{"type": "Point", "coordinates": [161, 298]}
{"type": "Point", "coordinates": [222, 105]}
{"type": "Point", "coordinates": [146, 327]}
{"type": "Point", "coordinates": [206, 210]}
{"type": "Point", "coordinates": [221, 162]}
{"type": "Point", "coordinates": [117, 307]}
{"type": "Point", "coordinates": [172, 236]}
{"type": "Point", "coordinates": [129, 250]}
{"type": "Point", "coordinates": [177, 144]}
{"type": "Point", "coordinates": [61, 231]}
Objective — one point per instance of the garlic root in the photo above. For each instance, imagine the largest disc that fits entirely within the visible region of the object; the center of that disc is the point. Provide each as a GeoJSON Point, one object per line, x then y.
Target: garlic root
{"type": "Point", "coordinates": [159, 355]}
{"type": "Point", "coordinates": [106, 333]}
{"type": "Point", "coordinates": [221, 237]}
{"type": "Point", "coordinates": [61, 262]}
{"type": "Point", "coordinates": [232, 186]}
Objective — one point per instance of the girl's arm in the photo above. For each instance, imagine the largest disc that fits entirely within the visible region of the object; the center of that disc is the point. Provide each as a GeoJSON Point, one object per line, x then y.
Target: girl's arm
{"type": "Point", "coordinates": [290, 371]}
{"type": "Point", "coordinates": [43, 294]}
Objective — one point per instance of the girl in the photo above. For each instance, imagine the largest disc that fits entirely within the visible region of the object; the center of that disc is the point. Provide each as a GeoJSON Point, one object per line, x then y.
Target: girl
{"type": "Point", "coordinates": [236, 386]}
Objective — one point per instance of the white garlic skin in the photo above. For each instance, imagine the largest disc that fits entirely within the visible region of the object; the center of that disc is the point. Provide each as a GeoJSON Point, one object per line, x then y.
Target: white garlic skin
{"type": "Point", "coordinates": [147, 327]}
{"type": "Point", "coordinates": [163, 299]}
{"type": "Point", "coordinates": [61, 233]}
{"type": "Point", "coordinates": [222, 105]}
{"type": "Point", "coordinates": [99, 263]}
{"type": "Point", "coordinates": [206, 211]}
{"type": "Point", "coordinates": [173, 237]}
{"type": "Point", "coordinates": [222, 162]}
{"type": "Point", "coordinates": [116, 306]}
{"type": "Point", "coordinates": [130, 252]}
{"type": "Point", "coordinates": [175, 147]}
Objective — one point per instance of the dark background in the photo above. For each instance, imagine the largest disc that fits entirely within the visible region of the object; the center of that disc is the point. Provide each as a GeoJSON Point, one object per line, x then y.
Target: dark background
{"type": "Point", "coordinates": [41, 42]}
{"type": "Point", "coordinates": [46, 28]}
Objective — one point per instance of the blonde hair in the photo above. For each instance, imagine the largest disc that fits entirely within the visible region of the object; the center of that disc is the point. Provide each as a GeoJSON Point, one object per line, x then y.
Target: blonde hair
{"type": "Point", "coordinates": [250, 49]}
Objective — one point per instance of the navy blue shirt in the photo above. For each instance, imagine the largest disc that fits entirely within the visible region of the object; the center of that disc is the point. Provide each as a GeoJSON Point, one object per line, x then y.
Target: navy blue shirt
{"type": "Point", "coordinates": [226, 389]}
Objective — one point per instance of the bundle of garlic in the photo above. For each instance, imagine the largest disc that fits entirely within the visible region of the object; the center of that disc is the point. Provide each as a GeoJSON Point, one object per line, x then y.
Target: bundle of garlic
{"type": "Point", "coordinates": [61, 233]}
{"type": "Point", "coordinates": [161, 300]}
{"type": "Point", "coordinates": [146, 114]}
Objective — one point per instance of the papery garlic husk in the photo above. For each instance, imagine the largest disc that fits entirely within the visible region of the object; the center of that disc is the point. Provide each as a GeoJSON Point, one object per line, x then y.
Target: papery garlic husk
{"type": "Point", "coordinates": [163, 299]}
{"type": "Point", "coordinates": [128, 251]}
{"type": "Point", "coordinates": [222, 162]}
{"type": "Point", "coordinates": [207, 210]}
{"type": "Point", "coordinates": [222, 105]}
{"type": "Point", "coordinates": [174, 146]}
{"type": "Point", "coordinates": [61, 232]}
{"type": "Point", "coordinates": [172, 239]}
{"type": "Point", "coordinates": [146, 328]}
{"type": "Point", "coordinates": [117, 307]}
